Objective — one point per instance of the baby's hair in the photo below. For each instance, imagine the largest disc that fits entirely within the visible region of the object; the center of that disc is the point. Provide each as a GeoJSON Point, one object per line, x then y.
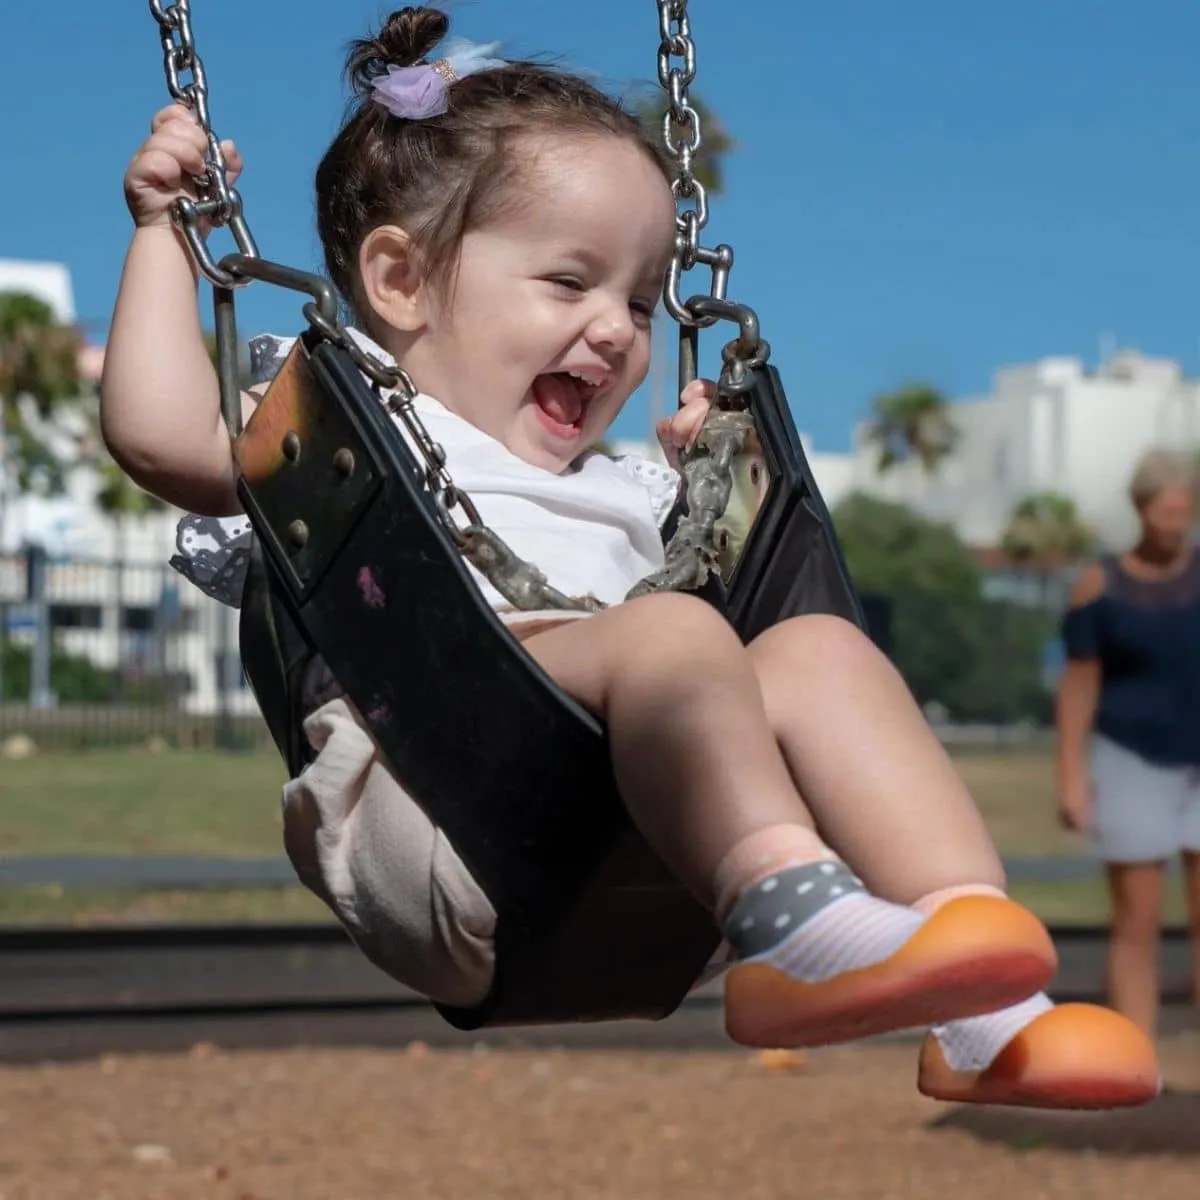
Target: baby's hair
{"type": "Point", "coordinates": [440, 177]}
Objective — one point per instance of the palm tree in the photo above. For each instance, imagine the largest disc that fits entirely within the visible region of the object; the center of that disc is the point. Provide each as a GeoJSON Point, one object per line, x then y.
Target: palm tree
{"type": "Point", "coordinates": [1046, 531]}
{"type": "Point", "coordinates": [1047, 526]}
{"type": "Point", "coordinates": [912, 422]}
{"type": "Point", "coordinates": [39, 365]}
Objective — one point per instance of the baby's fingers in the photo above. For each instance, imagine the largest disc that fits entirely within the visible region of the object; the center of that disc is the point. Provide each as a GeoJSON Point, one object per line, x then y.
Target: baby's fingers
{"type": "Point", "coordinates": [699, 391]}
{"type": "Point", "coordinates": [688, 422]}
{"type": "Point", "coordinates": [234, 163]}
{"type": "Point", "coordinates": [176, 113]}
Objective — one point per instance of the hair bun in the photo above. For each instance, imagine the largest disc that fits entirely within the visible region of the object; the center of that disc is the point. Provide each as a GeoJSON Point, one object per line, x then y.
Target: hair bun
{"type": "Point", "coordinates": [405, 38]}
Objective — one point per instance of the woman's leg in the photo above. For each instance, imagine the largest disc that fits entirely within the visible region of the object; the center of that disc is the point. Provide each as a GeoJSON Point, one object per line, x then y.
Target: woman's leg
{"type": "Point", "coordinates": [702, 774]}
{"type": "Point", "coordinates": [1137, 903]}
{"type": "Point", "coordinates": [1190, 842]}
{"type": "Point", "coordinates": [1140, 821]}
{"type": "Point", "coordinates": [886, 795]}
{"type": "Point", "coordinates": [1191, 882]}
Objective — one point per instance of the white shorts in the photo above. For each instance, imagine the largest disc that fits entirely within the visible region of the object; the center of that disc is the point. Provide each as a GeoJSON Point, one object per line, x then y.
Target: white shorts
{"type": "Point", "coordinates": [362, 844]}
{"type": "Point", "coordinates": [1142, 812]}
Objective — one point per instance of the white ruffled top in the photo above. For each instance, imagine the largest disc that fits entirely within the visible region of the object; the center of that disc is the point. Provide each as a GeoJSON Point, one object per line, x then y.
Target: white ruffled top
{"type": "Point", "coordinates": [593, 530]}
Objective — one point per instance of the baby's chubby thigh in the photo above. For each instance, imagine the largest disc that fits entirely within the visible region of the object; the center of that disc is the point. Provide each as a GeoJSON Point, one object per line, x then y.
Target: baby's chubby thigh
{"type": "Point", "coordinates": [667, 641]}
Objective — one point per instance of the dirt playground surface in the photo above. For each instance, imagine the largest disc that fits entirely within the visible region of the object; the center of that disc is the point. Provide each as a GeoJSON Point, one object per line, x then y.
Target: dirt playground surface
{"type": "Point", "coordinates": [844, 1124]}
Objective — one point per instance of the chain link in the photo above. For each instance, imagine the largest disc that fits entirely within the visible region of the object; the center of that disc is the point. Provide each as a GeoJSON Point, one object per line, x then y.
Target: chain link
{"type": "Point", "coordinates": [218, 204]}
{"type": "Point", "coordinates": [682, 138]}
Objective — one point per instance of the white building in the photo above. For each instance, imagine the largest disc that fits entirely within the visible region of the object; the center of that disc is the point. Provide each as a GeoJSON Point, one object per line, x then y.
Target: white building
{"type": "Point", "coordinates": [144, 614]}
{"type": "Point", "coordinates": [1053, 425]}
{"type": "Point", "coordinates": [1050, 425]}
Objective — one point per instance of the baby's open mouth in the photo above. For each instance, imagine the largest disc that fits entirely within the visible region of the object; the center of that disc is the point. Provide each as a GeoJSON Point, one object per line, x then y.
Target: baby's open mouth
{"type": "Point", "coordinates": [562, 399]}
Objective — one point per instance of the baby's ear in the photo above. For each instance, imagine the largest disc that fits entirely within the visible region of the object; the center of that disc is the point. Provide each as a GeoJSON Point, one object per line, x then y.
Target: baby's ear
{"type": "Point", "coordinates": [392, 277]}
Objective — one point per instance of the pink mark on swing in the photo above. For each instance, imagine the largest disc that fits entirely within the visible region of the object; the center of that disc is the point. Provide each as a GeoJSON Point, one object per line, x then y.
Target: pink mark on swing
{"type": "Point", "coordinates": [373, 595]}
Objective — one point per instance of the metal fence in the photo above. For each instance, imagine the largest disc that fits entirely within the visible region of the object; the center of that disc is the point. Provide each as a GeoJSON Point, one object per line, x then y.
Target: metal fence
{"type": "Point", "coordinates": [119, 653]}
{"type": "Point", "coordinates": [97, 653]}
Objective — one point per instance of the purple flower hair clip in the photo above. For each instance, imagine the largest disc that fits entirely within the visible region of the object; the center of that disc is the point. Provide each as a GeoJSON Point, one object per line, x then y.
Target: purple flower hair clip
{"type": "Point", "coordinates": [416, 93]}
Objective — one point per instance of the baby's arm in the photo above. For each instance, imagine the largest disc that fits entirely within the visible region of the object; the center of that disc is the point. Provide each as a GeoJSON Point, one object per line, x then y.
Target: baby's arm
{"type": "Point", "coordinates": [159, 400]}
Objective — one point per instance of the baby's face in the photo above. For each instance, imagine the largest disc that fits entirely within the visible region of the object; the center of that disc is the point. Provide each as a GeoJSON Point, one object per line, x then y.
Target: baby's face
{"type": "Point", "coordinates": [546, 332]}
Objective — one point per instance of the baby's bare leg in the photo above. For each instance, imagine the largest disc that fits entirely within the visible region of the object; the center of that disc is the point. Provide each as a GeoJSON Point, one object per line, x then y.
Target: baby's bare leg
{"type": "Point", "coordinates": [694, 755]}
{"type": "Point", "coordinates": [884, 792]}
{"type": "Point", "coordinates": [886, 796]}
{"type": "Point", "coordinates": [703, 776]}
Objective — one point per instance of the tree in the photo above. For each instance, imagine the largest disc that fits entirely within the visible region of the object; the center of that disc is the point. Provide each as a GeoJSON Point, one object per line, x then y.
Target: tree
{"type": "Point", "coordinates": [980, 659]}
{"type": "Point", "coordinates": [912, 422]}
{"type": "Point", "coordinates": [39, 369]}
{"type": "Point", "coordinates": [891, 548]}
{"type": "Point", "coordinates": [1047, 526]}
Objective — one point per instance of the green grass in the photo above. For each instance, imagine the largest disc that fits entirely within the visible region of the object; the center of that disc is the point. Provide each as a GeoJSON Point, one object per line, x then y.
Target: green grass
{"type": "Point", "coordinates": [1015, 792]}
{"type": "Point", "coordinates": [176, 802]}
{"type": "Point", "coordinates": [127, 802]}
{"type": "Point", "coordinates": [113, 802]}
{"type": "Point", "coordinates": [1085, 902]}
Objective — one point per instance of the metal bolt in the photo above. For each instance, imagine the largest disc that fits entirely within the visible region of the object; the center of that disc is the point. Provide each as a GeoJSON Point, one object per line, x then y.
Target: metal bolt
{"type": "Point", "coordinates": [291, 446]}
{"type": "Point", "coordinates": [343, 462]}
{"type": "Point", "coordinates": [298, 533]}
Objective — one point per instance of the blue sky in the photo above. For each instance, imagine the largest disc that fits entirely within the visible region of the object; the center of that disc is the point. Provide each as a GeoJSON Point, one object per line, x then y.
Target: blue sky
{"type": "Point", "coordinates": [926, 190]}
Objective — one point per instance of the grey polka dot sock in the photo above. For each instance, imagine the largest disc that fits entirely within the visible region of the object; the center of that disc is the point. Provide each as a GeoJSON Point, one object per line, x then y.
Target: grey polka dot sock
{"type": "Point", "coordinates": [816, 920]}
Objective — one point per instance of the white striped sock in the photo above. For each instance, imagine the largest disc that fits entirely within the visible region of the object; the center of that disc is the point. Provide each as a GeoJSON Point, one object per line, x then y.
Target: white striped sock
{"type": "Point", "coordinates": [972, 1044]}
{"type": "Point", "coordinates": [855, 931]}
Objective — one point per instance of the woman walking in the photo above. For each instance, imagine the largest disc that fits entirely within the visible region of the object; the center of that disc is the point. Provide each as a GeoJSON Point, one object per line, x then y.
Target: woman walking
{"type": "Point", "coordinates": [1129, 725]}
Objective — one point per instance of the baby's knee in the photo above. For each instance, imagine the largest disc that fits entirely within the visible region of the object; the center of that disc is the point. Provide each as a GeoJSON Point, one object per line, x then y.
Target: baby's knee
{"type": "Point", "coordinates": [681, 619]}
{"type": "Point", "coordinates": [819, 641]}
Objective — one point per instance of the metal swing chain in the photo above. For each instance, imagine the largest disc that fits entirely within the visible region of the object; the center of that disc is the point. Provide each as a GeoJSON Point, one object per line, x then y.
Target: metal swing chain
{"type": "Point", "coordinates": [695, 549]}
{"type": "Point", "coordinates": [691, 197]}
{"type": "Point", "coordinates": [521, 583]}
{"type": "Point", "coordinates": [219, 204]}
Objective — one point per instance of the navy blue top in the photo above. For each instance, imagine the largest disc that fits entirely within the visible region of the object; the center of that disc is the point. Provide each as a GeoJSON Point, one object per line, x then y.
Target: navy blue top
{"type": "Point", "coordinates": [1146, 636]}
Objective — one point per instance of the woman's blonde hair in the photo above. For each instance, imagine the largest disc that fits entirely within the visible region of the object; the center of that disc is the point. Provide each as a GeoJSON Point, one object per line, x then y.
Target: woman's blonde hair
{"type": "Point", "coordinates": [1158, 471]}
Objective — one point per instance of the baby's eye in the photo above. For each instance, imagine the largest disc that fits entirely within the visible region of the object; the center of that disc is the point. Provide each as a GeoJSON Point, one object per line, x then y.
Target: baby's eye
{"type": "Point", "coordinates": [570, 282]}
{"type": "Point", "coordinates": [643, 311]}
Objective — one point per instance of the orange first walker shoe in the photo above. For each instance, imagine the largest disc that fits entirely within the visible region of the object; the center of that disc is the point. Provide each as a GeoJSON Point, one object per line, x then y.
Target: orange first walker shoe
{"type": "Point", "coordinates": [1074, 1056]}
{"type": "Point", "coordinates": [973, 955]}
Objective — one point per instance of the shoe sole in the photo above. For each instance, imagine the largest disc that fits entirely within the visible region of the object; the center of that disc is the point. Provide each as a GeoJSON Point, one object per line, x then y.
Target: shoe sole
{"type": "Point", "coordinates": [975, 955]}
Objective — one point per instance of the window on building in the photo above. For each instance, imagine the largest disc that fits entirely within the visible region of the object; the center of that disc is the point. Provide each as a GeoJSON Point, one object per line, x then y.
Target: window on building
{"type": "Point", "coordinates": [76, 616]}
{"type": "Point", "coordinates": [137, 618]}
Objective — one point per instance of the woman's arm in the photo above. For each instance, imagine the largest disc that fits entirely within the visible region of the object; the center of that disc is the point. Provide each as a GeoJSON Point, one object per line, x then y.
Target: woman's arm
{"type": "Point", "coordinates": [1076, 702]}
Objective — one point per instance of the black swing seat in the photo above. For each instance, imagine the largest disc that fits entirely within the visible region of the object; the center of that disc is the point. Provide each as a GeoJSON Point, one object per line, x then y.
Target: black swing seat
{"type": "Point", "coordinates": [352, 563]}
